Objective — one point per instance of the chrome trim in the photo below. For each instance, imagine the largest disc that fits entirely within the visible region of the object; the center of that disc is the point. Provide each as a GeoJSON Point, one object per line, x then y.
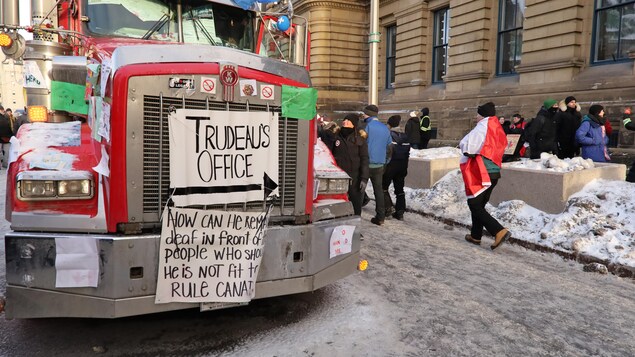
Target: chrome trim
{"type": "Point", "coordinates": [40, 303]}
{"type": "Point", "coordinates": [186, 53]}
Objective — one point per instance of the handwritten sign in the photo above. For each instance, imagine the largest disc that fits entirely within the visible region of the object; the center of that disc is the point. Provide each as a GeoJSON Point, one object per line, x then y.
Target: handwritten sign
{"type": "Point", "coordinates": [219, 157]}
{"type": "Point", "coordinates": [512, 141]}
{"type": "Point", "coordinates": [341, 240]}
{"type": "Point", "coordinates": [209, 256]}
{"type": "Point", "coordinates": [33, 77]}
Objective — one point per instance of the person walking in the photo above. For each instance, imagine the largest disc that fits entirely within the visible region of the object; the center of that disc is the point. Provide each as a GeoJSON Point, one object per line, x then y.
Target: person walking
{"type": "Point", "coordinates": [426, 128]}
{"type": "Point", "coordinates": [541, 131]}
{"type": "Point", "coordinates": [567, 121]}
{"type": "Point", "coordinates": [19, 121]}
{"type": "Point", "coordinates": [591, 135]}
{"type": "Point", "coordinates": [350, 150]}
{"type": "Point", "coordinates": [5, 136]}
{"type": "Point", "coordinates": [483, 149]}
{"type": "Point", "coordinates": [378, 151]}
{"type": "Point", "coordinates": [396, 169]}
{"type": "Point", "coordinates": [413, 131]}
{"type": "Point", "coordinates": [629, 125]}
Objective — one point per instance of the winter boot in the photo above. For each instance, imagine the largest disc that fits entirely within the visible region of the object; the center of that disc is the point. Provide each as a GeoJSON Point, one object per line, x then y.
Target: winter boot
{"type": "Point", "coordinates": [501, 236]}
{"type": "Point", "coordinates": [398, 215]}
{"type": "Point", "coordinates": [472, 240]}
{"type": "Point", "coordinates": [376, 221]}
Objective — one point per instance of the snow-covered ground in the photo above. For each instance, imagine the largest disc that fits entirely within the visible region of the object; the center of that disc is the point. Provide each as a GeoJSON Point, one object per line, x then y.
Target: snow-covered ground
{"type": "Point", "coordinates": [599, 221]}
{"type": "Point", "coordinates": [435, 153]}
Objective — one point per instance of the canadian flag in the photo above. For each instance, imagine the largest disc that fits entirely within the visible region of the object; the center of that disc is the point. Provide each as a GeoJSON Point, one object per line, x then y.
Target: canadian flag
{"type": "Point", "coordinates": [487, 139]}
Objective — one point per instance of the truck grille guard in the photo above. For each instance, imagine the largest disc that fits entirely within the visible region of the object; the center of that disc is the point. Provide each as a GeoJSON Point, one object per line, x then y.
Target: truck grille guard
{"type": "Point", "coordinates": [156, 153]}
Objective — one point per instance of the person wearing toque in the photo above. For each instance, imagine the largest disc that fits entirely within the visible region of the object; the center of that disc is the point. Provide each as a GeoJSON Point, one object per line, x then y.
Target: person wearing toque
{"type": "Point", "coordinates": [413, 129]}
{"type": "Point", "coordinates": [396, 170]}
{"type": "Point", "coordinates": [568, 120]}
{"type": "Point", "coordinates": [379, 141]}
{"type": "Point", "coordinates": [541, 131]}
{"type": "Point", "coordinates": [483, 150]}
{"type": "Point", "coordinates": [591, 135]}
{"type": "Point", "coordinates": [350, 151]}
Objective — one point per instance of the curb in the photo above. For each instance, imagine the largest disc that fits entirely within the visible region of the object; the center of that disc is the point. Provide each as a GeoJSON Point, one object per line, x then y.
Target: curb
{"type": "Point", "coordinates": [622, 271]}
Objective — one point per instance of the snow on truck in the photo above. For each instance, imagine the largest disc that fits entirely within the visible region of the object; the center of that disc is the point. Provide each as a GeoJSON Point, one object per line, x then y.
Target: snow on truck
{"type": "Point", "coordinates": [170, 161]}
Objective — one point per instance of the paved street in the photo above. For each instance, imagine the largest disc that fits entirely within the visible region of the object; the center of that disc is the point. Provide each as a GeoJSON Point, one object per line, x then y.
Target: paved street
{"type": "Point", "coordinates": [426, 292]}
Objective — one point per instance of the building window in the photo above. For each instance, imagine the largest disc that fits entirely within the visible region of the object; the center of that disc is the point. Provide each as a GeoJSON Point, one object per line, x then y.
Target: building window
{"type": "Point", "coordinates": [440, 45]}
{"type": "Point", "coordinates": [510, 35]}
{"type": "Point", "coordinates": [614, 23]}
{"type": "Point", "coordinates": [391, 55]}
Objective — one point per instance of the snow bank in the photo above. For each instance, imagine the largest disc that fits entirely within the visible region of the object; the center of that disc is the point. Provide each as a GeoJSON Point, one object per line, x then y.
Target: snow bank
{"type": "Point", "coordinates": [599, 221]}
{"type": "Point", "coordinates": [435, 153]}
{"type": "Point", "coordinates": [550, 162]}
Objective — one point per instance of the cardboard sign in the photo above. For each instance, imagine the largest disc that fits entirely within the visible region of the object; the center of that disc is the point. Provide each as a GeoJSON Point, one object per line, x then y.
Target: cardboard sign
{"type": "Point", "coordinates": [512, 141]}
{"type": "Point", "coordinates": [219, 157]}
{"type": "Point", "coordinates": [209, 256]}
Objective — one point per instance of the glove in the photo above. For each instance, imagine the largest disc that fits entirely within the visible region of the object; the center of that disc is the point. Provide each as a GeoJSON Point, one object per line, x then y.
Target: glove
{"type": "Point", "coordinates": [362, 185]}
{"type": "Point", "coordinates": [469, 155]}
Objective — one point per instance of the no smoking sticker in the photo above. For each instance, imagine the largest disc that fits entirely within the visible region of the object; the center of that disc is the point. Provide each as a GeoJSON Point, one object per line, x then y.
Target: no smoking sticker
{"type": "Point", "coordinates": [208, 85]}
{"type": "Point", "coordinates": [267, 92]}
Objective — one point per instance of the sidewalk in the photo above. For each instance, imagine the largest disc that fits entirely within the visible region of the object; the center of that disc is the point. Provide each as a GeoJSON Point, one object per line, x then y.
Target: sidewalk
{"type": "Point", "coordinates": [622, 271]}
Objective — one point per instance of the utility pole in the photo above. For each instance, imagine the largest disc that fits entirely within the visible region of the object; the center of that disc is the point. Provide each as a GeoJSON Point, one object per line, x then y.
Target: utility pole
{"type": "Point", "coordinates": [373, 41]}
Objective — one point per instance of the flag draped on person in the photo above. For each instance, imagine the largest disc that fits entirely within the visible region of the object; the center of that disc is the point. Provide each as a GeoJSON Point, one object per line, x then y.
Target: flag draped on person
{"type": "Point", "coordinates": [487, 140]}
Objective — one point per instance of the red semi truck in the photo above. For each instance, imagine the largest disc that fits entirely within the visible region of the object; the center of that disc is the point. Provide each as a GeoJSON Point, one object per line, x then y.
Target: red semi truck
{"type": "Point", "coordinates": [97, 165]}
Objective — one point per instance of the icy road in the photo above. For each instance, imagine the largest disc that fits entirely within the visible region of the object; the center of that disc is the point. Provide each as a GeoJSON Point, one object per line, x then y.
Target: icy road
{"type": "Point", "coordinates": [427, 292]}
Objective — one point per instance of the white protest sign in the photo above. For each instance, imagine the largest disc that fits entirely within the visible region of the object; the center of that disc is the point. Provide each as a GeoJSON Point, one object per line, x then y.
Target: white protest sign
{"type": "Point", "coordinates": [219, 157]}
{"type": "Point", "coordinates": [209, 256]}
{"type": "Point", "coordinates": [33, 77]}
{"type": "Point", "coordinates": [341, 240]}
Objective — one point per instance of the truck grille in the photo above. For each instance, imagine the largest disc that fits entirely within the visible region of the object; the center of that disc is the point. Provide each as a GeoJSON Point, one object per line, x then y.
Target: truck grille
{"type": "Point", "coordinates": [156, 152]}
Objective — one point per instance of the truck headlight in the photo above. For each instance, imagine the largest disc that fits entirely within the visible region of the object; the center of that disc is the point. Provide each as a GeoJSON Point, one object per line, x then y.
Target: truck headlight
{"type": "Point", "coordinates": [333, 185]}
{"type": "Point", "coordinates": [54, 185]}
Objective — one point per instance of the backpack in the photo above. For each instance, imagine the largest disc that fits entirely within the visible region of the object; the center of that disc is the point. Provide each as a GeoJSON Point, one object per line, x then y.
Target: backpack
{"type": "Point", "coordinates": [401, 146]}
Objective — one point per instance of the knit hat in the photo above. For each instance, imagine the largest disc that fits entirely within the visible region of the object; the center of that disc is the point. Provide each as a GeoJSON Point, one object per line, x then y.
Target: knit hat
{"type": "Point", "coordinates": [595, 109]}
{"type": "Point", "coordinates": [568, 99]}
{"type": "Point", "coordinates": [394, 121]}
{"type": "Point", "coordinates": [371, 110]}
{"type": "Point", "coordinates": [549, 103]}
{"type": "Point", "coordinates": [414, 114]}
{"type": "Point", "coordinates": [353, 118]}
{"type": "Point", "coordinates": [487, 110]}
{"type": "Point", "coordinates": [425, 112]}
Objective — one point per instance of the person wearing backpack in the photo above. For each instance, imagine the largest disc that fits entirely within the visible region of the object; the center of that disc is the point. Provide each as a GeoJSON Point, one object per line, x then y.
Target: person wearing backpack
{"type": "Point", "coordinates": [425, 126]}
{"type": "Point", "coordinates": [397, 169]}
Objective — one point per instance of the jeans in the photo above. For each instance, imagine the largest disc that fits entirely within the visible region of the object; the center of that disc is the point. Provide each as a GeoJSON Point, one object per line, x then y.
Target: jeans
{"type": "Point", "coordinates": [376, 177]}
{"type": "Point", "coordinates": [480, 217]}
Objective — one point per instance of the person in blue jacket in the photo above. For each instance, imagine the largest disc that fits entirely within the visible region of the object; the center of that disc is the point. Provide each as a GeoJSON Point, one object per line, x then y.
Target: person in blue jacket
{"type": "Point", "coordinates": [591, 135]}
{"type": "Point", "coordinates": [379, 141]}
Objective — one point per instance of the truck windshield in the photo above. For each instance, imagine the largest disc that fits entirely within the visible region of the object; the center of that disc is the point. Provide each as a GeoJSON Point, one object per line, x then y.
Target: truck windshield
{"type": "Point", "coordinates": [204, 22]}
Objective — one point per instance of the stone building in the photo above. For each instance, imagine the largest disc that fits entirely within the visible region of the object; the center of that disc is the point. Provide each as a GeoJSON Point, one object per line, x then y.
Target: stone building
{"type": "Point", "coordinates": [11, 93]}
{"type": "Point", "coordinates": [452, 55]}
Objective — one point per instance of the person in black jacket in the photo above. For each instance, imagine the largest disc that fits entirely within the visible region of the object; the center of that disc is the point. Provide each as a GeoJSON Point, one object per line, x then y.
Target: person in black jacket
{"type": "Point", "coordinates": [413, 130]}
{"type": "Point", "coordinates": [350, 151]}
{"type": "Point", "coordinates": [396, 170]}
{"type": "Point", "coordinates": [629, 125]}
{"type": "Point", "coordinates": [540, 133]}
{"type": "Point", "coordinates": [568, 120]}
